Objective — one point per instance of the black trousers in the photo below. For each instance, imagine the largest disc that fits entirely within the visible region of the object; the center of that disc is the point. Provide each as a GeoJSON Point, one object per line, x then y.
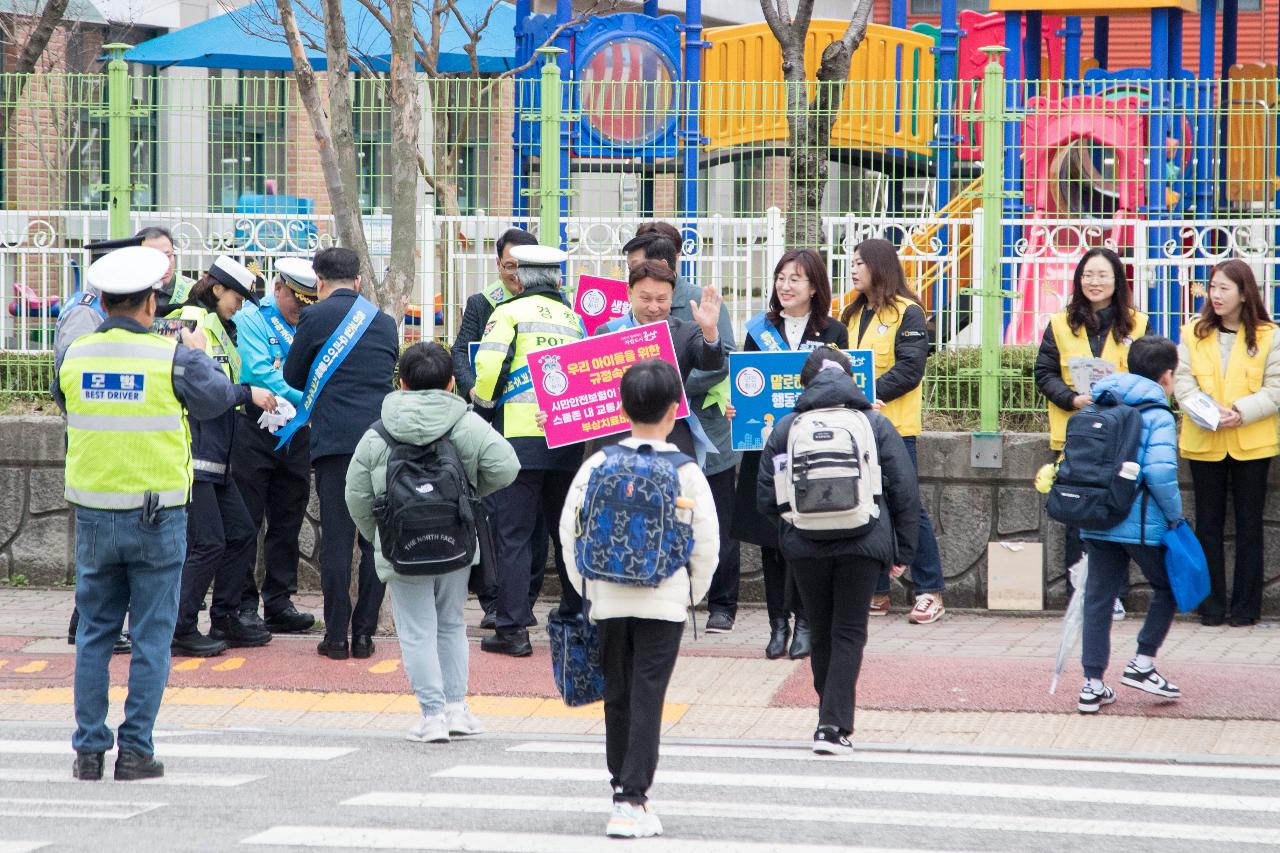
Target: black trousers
{"type": "Point", "coordinates": [337, 535]}
{"type": "Point", "coordinates": [781, 598]}
{"type": "Point", "coordinates": [1247, 482]}
{"type": "Point", "coordinates": [219, 532]}
{"type": "Point", "coordinates": [638, 656]}
{"type": "Point", "coordinates": [837, 597]}
{"type": "Point", "coordinates": [485, 585]}
{"type": "Point", "coordinates": [515, 514]}
{"type": "Point", "coordinates": [274, 485]}
{"type": "Point", "coordinates": [723, 594]}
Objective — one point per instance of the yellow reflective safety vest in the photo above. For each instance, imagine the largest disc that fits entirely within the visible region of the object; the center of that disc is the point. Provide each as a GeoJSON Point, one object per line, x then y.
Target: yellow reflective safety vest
{"type": "Point", "coordinates": [220, 348]}
{"type": "Point", "coordinates": [181, 288]}
{"type": "Point", "coordinates": [516, 328]}
{"type": "Point", "coordinates": [880, 337]}
{"type": "Point", "coordinates": [127, 431]}
{"type": "Point", "coordinates": [1244, 376]}
{"type": "Point", "coordinates": [1076, 345]}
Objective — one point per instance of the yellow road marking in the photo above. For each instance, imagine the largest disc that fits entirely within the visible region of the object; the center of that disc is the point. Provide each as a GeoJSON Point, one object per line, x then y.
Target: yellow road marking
{"type": "Point", "coordinates": [383, 667]}
{"type": "Point", "coordinates": [229, 664]}
{"type": "Point", "coordinates": [188, 665]}
{"type": "Point", "coordinates": [34, 666]}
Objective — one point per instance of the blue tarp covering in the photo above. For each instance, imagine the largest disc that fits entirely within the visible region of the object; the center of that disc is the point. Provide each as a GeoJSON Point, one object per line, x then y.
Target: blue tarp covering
{"type": "Point", "coordinates": [251, 39]}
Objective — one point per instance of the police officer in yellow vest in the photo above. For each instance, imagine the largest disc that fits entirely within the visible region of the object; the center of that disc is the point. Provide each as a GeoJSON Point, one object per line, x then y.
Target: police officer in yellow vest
{"type": "Point", "coordinates": [475, 316]}
{"type": "Point", "coordinates": [220, 531]}
{"type": "Point", "coordinates": [1232, 355]}
{"type": "Point", "coordinates": [127, 393]}
{"type": "Point", "coordinates": [536, 319]}
{"type": "Point", "coordinates": [1098, 323]}
{"type": "Point", "coordinates": [885, 317]}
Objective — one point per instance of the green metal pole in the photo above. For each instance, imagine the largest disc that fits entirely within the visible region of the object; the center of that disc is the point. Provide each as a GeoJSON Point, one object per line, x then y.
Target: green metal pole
{"type": "Point", "coordinates": [991, 288]}
{"type": "Point", "coordinates": [119, 183]}
{"type": "Point", "coordinates": [550, 117]}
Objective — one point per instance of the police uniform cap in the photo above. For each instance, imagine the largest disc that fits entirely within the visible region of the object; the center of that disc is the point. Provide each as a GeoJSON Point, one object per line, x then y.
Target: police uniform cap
{"type": "Point", "coordinates": [101, 248]}
{"type": "Point", "coordinates": [132, 269]}
{"type": "Point", "coordinates": [299, 277]}
{"type": "Point", "coordinates": [538, 256]}
{"type": "Point", "coordinates": [233, 275]}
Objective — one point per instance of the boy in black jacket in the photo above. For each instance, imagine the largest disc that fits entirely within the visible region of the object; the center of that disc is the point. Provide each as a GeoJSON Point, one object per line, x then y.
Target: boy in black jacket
{"type": "Point", "coordinates": [836, 577]}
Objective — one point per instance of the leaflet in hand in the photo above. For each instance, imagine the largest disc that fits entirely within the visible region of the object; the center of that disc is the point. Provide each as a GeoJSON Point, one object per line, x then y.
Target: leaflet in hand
{"type": "Point", "coordinates": [1203, 410]}
{"type": "Point", "coordinates": [1086, 371]}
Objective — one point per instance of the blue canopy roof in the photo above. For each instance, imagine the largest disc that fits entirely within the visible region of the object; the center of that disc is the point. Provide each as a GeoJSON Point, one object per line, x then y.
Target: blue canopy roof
{"type": "Point", "coordinates": [250, 39]}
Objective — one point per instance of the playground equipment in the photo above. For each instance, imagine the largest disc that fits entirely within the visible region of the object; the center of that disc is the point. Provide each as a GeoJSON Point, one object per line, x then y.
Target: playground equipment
{"type": "Point", "coordinates": [1104, 148]}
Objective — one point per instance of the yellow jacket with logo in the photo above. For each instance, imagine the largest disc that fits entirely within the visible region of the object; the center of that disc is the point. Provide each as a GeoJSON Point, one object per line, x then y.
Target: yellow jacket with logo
{"type": "Point", "coordinates": [1244, 385]}
{"type": "Point", "coordinates": [882, 337]}
{"type": "Point", "coordinates": [1075, 344]}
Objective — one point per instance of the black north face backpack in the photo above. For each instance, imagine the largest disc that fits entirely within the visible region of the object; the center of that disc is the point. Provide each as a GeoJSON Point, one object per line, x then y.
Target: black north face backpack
{"type": "Point", "coordinates": [426, 521]}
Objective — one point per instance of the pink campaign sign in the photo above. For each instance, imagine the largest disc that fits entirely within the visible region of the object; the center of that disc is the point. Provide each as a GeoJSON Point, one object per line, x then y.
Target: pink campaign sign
{"type": "Point", "coordinates": [577, 384]}
{"type": "Point", "coordinates": [600, 300]}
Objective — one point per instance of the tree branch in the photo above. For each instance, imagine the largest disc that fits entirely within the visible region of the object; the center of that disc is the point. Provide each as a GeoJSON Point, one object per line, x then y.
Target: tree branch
{"type": "Point", "coordinates": [31, 52]}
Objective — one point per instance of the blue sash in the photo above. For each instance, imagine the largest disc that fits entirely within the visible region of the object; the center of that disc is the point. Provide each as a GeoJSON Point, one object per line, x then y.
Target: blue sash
{"type": "Point", "coordinates": [618, 324]}
{"type": "Point", "coordinates": [331, 355]}
{"type": "Point", "coordinates": [284, 334]}
{"type": "Point", "coordinates": [765, 335]}
{"type": "Point", "coordinates": [518, 381]}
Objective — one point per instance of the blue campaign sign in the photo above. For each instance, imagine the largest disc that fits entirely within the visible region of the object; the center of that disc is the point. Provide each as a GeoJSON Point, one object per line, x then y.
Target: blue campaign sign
{"type": "Point", "coordinates": [764, 386]}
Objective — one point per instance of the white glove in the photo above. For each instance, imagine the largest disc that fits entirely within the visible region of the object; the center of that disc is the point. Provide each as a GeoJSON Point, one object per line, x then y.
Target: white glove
{"type": "Point", "coordinates": [272, 421]}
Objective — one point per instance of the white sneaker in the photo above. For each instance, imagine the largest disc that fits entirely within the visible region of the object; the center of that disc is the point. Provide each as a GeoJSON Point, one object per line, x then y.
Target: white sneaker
{"type": "Point", "coordinates": [631, 821]}
{"type": "Point", "coordinates": [461, 721]}
{"type": "Point", "coordinates": [1117, 611]}
{"type": "Point", "coordinates": [433, 729]}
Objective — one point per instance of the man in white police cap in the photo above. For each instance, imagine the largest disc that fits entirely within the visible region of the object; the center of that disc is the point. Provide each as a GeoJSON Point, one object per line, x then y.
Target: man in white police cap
{"type": "Point", "coordinates": [273, 483]}
{"type": "Point", "coordinates": [535, 319]}
{"type": "Point", "coordinates": [127, 393]}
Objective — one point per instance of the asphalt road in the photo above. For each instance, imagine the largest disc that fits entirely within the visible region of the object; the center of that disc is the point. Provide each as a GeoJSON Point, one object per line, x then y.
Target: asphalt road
{"type": "Point", "coordinates": [290, 790]}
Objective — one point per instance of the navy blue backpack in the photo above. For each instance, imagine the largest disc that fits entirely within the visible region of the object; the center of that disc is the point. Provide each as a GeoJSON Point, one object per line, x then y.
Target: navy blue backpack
{"type": "Point", "coordinates": [628, 531]}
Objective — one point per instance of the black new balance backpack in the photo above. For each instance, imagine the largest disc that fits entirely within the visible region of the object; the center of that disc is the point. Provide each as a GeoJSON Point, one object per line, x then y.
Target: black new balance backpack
{"type": "Point", "coordinates": [1089, 492]}
{"type": "Point", "coordinates": [426, 521]}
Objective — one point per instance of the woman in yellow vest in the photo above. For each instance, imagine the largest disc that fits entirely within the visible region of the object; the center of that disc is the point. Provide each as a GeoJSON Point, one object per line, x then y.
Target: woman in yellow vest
{"type": "Point", "coordinates": [886, 317]}
{"type": "Point", "coordinates": [1099, 322]}
{"type": "Point", "coordinates": [219, 529]}
{"type": "Point", "coordinates": [1231, 354]}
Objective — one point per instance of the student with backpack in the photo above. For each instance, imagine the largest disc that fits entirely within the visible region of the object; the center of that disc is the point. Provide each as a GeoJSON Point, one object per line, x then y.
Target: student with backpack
{"type": "Point", "coordinates": [1232, 354]}
{"type": "Point", "coordinates": [1118, 483]}
{"type": "Point", "coordinates": [837, 479]}
{"type": "Point", "coordinates": [1099, 322]}
{"type": "Point", "coordinates": [413, 488]}
{"type": "Point", "coordinates": [641, 543]}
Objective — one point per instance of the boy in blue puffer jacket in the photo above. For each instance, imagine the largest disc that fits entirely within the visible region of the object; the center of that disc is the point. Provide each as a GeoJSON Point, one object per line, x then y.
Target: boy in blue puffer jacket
{"type": "Point", "coordinates": [1157, 507]}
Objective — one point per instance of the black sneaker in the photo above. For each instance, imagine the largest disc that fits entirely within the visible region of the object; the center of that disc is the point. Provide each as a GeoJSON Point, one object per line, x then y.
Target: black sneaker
{"type": "Point", "coordinates": [514, 643]}
{"type": "Point", "coordinates": [289, 621]}
{"type": "Point", "coordinates": [1091, 700]}
{"type": "Point", "coordinates": [132, 766]}
{"type": "Point", "coordinates": [196, 645]}
{"type": "Point", "coordinates": [123, 645]}
{"type": "Point", "coordinates": [1150, 681]}
{"type": "Point", "coordinates": [238, 634]}
{"type": "Point", "coordinates": [87, 766]}
{"type": "Point", "coordinates": [829, 741]}
{"type": "Point", "coordinates": [719, 622]}
{"type": "Point", "coordinates": [489, 621]}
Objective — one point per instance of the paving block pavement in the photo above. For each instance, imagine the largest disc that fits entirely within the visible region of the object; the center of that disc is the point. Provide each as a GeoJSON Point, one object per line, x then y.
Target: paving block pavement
{"type": "Point", "coordinates": [973, 681]}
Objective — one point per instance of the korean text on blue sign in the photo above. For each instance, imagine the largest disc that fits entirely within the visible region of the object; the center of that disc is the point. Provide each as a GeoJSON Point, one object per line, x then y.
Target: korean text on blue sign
{"type": "Point", "coordinates": [113, 387]}
{"type": "Point", "coordinates": [764, 386]}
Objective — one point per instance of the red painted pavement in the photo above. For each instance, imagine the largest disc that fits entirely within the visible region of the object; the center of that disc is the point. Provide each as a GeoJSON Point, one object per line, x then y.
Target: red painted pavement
{"type": "Point", "coordinates": [906, 683]}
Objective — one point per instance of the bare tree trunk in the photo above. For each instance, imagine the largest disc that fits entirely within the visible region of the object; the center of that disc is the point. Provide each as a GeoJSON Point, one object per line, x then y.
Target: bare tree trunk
{"type": "Point", "coordinates": [30, 54]}
{"type": "Point", "coordinates": [809, 120]}
{"type": "Point", "coordinates": [405, 119]}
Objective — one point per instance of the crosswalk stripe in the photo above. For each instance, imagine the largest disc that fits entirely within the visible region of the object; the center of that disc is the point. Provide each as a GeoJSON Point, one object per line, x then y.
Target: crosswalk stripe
{"type": "Point", "coordinates": [90, 809]}
{"type": "Point", "coordinates": [1140, 768]}
{"type": "Point", "coordinates": [518, 842]}
{"type": "Point", "coordinates": [22, 846]}
{"type": "Point", "coordinates": [193, 750]}
{"type": "Point", "coordinates": [818, 815]}
{"type": "Point", "coordinates": [193, 780]}
{"type": "Point", "coordinates": [867, 785]}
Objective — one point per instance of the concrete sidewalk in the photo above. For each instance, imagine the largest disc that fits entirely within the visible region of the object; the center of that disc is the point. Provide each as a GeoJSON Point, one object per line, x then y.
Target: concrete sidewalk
{"type": "Point", "coordinates": [971, 680]}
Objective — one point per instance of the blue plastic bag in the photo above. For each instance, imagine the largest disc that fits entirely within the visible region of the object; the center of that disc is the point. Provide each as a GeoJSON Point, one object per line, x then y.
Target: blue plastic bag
{"type": "Point", "coordinates": [1188, 570]}
{"type": "Point", "coordinates": [575, 659]}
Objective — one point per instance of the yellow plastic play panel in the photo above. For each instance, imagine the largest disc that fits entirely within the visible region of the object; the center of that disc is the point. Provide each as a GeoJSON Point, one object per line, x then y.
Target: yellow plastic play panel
{"type": "Point", "coordinates": [1115, 8]}
{"type": "Point", "coordinates": [744, 97]}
